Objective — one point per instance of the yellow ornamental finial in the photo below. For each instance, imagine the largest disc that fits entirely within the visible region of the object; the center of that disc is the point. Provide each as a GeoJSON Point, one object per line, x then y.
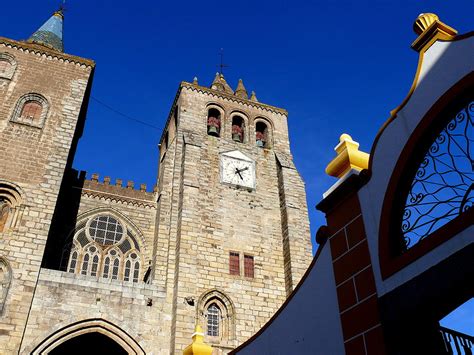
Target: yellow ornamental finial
{"type": "Point", "coordinates": [348, 158]}
{"type": "Point", "coordinates": [423, 22]}
{"type": "Point", "coordinates": [198, 347]}
{"type": "Point", "coordinates": [429, 29]}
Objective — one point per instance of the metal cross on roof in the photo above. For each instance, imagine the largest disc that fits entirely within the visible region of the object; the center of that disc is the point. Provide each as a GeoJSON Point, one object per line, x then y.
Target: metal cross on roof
{"type": "Point", "coordinates": [222, 65]}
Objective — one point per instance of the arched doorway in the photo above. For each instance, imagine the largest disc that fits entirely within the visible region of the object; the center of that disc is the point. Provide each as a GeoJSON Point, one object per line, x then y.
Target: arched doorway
{"type": "Point", "coordinates": [89, 343]}
{"type": "Point", "coordinates": [90, 336]}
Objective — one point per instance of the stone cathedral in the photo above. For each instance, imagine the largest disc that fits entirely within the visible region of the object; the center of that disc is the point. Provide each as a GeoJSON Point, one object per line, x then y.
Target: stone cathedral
{"type": "Point", "coordinates": [90, 265]}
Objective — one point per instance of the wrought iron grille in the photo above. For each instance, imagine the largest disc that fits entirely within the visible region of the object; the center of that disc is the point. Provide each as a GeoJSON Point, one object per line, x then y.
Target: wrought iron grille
{"type": "Point", "coordinates": [456, 342]}
{"type": "Point", "coordinates": [443, 186]}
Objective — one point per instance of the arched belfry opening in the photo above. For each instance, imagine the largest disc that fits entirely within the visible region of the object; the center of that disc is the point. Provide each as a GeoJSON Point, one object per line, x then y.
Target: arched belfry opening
{"type": "Point", "coordinates": [213, 122]}
{"type": "Point", "coordinates": [89, 343]}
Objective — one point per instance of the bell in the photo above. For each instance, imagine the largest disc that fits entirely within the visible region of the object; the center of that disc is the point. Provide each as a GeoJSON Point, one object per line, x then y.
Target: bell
{"type": "Point", "coordinates": [212, 130]}
{"type": "Point", "coordinates": [260, 143]}
{"type": "Point", "coordinates": [236, 137]}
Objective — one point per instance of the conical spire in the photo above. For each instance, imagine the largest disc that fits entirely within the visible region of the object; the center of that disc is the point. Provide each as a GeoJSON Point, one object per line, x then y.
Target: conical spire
{"type": "Point", "coordinates": [253, 97]}
{"type": "Point", "coordinates": [220, 84]}
{"type": "Point", "coordinates": [51, 33]}
{"type": "Point", "coordinates": [241, 91]}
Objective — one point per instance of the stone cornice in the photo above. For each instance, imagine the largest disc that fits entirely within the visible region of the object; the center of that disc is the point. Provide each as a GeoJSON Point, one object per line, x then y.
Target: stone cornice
{"type": "Point", "coordinates": [117, 198]}
{"type": "Point", "coordinates": [41, 50]}
{"type": "Point", "coordinates": [233, 98]}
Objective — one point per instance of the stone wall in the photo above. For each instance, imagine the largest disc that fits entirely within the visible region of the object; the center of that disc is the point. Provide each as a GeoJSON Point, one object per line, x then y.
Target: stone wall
{"type": "Point", "coordinates": [203, 220]}
{"type": "Point", "coordinates": [32, 162]}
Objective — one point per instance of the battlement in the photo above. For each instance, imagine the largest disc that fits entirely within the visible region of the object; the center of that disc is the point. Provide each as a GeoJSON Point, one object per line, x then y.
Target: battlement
{"type": "Point", "coordinates": [94, 185]}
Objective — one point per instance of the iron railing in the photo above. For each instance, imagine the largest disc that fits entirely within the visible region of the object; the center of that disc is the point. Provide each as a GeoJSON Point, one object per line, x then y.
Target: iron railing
{"type": "Point", "coordinates": [457, 343]}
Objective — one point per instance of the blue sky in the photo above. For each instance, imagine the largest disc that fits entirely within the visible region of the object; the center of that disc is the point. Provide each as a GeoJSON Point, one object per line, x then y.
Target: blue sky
{"type": "Point", "coordinates": [336, 66]}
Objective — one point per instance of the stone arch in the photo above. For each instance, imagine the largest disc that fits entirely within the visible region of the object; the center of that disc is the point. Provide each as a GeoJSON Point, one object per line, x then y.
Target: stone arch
{"type": "Point", "coordinates": [11, 205]}
{"type": "Point", "coordinates": [223, 116]}
{"type": "Point", "coordinates": [245, 122]}
{"type": "Point", "coordinates": [126, 221]}
{"type": "Point", "coordinates": [120, 336]}
{"type": "Point", "coordinates": [12, 64]}
{"type": "Point", "coordinates": [5, 281]}
{"type": "Point", "coordinates": [227, 309]}
{"type": "Point", "coordinates": [269, 129]}
{"type": "Point", "coordinates": [25, 99]}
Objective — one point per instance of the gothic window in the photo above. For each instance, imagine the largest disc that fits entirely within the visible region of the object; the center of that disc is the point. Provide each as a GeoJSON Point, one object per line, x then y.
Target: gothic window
{"type": "Point", "coordinates": [234, 263]}
{"type": "Point", "coordinates": [238, 129]}
{"type": "Point", "coordinates": [213, 122]}
{"type": "Point", "coordinates": [4, 210]}
{"type": "Point", "coordinates": [31, 109]}
{"type": "Point", "coordinates": [213, 319]}
{"type": "Point", "coordinates": [7, 66]}
{"type": "Point", "coordinates": [248, 266]}
{"type": "Point", "coordinates": [442, 187]}
{"type": "Point", "coordinates": [5, 280]}
{"type": "Point", "coordinates": [104, 247]}
{"type": "Point", "coordinates": [10, 206]}
{"type": "Point", "coordinates": [216, 311]}
{"type": "Point", "coordinates": [73, 261]}
{"type": "Point", "coordinates": [262, 135]}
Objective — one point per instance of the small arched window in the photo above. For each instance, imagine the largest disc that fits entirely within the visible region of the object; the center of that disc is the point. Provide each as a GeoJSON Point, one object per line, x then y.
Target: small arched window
{"type": "Point", "coordinates": [31, 109]}
{"type": "Point", "coordinates": [213, 122]}
{"type": "Point", "coordinates": [7, 66]}
{"type": "Point", "coordinates": [5, 280]}
{"type": "Point", "coordinates": [4, 211]}
{"type": "Point", "coordinates": [213, 320]}
{"type": "Point", "coordinates": [238, 129]}
{"type": "Point", "coordinates": [261, 134]}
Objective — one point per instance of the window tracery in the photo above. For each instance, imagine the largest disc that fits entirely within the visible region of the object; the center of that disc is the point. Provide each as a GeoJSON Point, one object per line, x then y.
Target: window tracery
{"type": "Point", "coordinates": [442, 187]}
{"type": "Point", "coordinates": [216, 311]}
{"type": "Point", "coordinates": [104, 247]}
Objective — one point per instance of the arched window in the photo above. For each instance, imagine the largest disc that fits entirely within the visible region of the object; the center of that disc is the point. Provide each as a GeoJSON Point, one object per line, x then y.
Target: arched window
{"type": "Point", "coordinates": [104, 247]}
{"type": "Point", "coordinates": [262, 134]}
{"type": "Point", "coordinates": [213, 122]}
{"type": "Point", "coordinates": [442, 187]}
{"type": "Point", "coordinates": [10, 206]}
{"type": "Point", "coordinates": [213, 320]}
{"type": "Point", "coordinates": [4, 210]}
{"type": "Point", "coordinates": [31, 109]}
{"type": "Point", "coordinates": [5, 280]}
{"type": "Point", "coordinates": [216, 311]}
{"type": "Point", "coordinates": [238, 129]}
{"type": "Point", "coordinates": [7, 66]}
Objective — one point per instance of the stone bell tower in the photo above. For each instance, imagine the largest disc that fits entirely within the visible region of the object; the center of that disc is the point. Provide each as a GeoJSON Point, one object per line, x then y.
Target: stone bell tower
{"type": "Point", "coordinates": [43, 99]}
{"type": "Point", "coordinates": [233, 231]}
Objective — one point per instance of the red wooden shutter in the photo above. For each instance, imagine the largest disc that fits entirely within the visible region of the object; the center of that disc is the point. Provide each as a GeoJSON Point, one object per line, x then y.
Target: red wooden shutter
{"type": "Point", "coordinates": [234, 268]}
{"type": "Point", "coordinates": [248, 266]}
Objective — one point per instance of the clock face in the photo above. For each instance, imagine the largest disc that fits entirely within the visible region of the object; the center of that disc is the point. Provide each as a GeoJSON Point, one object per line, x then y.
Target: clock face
{"type": "Point", "coordinates": [237, 169]}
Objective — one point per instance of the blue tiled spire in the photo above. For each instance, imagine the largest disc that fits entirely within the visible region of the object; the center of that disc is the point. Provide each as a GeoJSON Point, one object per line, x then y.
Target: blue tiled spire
{"type": "Point", "coordinates": [51, 33]}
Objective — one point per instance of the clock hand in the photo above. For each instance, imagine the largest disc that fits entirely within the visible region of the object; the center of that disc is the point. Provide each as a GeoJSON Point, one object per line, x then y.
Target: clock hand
{"type": "Point", "coordinates": [237, 171]}
{"type": "Point", "coordinates": [243, 169]}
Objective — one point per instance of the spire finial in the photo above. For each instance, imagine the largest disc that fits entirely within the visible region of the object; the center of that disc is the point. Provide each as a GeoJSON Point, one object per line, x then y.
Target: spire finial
{"type": "Point", "coordinates": [253, 97]}
{"type": "Point", "coordinates": [50, 34]}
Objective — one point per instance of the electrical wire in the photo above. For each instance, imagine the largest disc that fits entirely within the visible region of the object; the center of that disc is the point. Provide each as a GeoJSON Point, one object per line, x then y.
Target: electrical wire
{"type": "Point", "coordinates": [110, 108]}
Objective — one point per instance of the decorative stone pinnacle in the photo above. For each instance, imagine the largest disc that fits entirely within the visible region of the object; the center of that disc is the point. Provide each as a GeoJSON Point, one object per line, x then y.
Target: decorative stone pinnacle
{"type": "Point", "coordinates": [348, 158]}
{"type": "Point", "coordinates": [429, 29]}
{"type": "Point", "coordinates": [195, 81]}
{"type": "Point", "coordinates": [241, 92]}
{"type": "Point", "coordinates": [198, 347]}
{"type": "Point", "coordinates": [118, 182]}
{"type": "Point", "coordinates": [142, 187]}
{"type": "Point", "coordinates": [107, 180]}
{"type": "Point", "coordinates": [253, 97]}
{"type": "Point", "coordinates": [130, 184]}
{"type": "Point", "coordinates": [95, 177]}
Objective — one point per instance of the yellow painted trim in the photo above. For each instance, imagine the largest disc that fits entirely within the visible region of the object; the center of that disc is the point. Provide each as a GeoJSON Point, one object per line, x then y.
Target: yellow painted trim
{"type": "Point", "coordinates": [198, 347]}
{"type": "Point", "coordinates": [348, 158]}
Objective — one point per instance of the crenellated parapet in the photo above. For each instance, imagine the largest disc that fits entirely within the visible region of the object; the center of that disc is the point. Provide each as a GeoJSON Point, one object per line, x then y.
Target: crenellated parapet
{"type": "Point", "coordinates": [118, 191]}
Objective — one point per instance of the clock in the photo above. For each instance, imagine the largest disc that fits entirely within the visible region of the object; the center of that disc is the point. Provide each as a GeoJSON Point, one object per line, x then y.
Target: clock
{"type": "Point", "coordinates": [237, 169]}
